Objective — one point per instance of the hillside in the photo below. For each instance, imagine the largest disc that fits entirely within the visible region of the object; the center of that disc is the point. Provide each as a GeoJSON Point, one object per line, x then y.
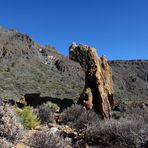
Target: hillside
{"type": "Point", "coordinates": [130, 79]}
{"type": "Point", "coordinates": [29, 68]}
{"type": "Point", "coordinates": [25, 68]}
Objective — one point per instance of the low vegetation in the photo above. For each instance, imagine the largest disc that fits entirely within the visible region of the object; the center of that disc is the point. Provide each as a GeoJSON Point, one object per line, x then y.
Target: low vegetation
{"type": "Point", "coordinates": [128, 131]}
{"type": "Point", "coordinates": [4, 143]}
{"type": "Point", "coordinates": [45, 114]}
{"type": "Point", "coordinates": [72, 113]}
{"type": "Point", "coordinates": [28, 117]}
{"type": "Point", "coordinates": [83, 128]}
{"type": "Point", "coordinates": [114, 134]}
{"type": "Point", "coordinates": [52, 106]}
{"type": "Point", "coordinates": [10, 126]}
{"type": "Point", "coordinates": [45, 139]}
{"type": "Point", "coordinates": [77, 117]}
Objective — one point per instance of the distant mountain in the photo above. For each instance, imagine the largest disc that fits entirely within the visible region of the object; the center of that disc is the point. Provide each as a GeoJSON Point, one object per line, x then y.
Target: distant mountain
{"type": "Point", "coordinates": [27, 67]}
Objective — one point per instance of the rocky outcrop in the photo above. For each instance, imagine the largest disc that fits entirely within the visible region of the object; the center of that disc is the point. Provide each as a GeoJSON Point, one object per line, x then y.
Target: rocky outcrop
{"type": "Point", "coordinates": [98, 91]}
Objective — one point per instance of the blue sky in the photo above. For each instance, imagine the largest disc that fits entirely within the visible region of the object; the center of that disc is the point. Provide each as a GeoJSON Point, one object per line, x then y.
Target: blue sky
{"type": "Point", "coordinates": [117, 28]}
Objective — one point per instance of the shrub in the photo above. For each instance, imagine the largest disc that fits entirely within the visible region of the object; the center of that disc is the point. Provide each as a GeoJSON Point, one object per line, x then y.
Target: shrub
{"type": "Point", "coordinates": [72, 113]}
{"type": "Point", "coordinates": [52, 106]}
{"type": "Point", "coordinates": [111, 134]}
{"type": "Point", "coordinates": [5, 144]}
{"type": "Point", "coordinates": [116, 133]}
{"type": "Point", "coordinates": [29, 118]}
{"type": "Point", "coordinates": [44, 139]}
{"type": "Point", "coordinates": [10, 127]}
{"type": "Point", "coordinates": [45, 114]}
{"type": "Point", "coordinates": [129, 131]}
{"type": "Point", "coordinates": [77, 117]}
{"type": "Point", "coordinates": [137, 113]}
{"type": "Point", "coordinates": [86, 119]}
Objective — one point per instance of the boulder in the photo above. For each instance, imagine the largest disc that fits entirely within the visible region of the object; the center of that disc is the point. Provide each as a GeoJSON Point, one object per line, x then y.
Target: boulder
{"type": "Point", "coordinates": [21, 102]}
{"type": "Point", "coordinates": [98, 91]}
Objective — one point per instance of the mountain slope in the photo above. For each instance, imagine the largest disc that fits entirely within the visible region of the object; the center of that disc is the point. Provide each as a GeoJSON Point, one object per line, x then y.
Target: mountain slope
{"type": "Point", "coordinates": [130, 79]}
{"type": "Point", "coordinates": [27, 67]}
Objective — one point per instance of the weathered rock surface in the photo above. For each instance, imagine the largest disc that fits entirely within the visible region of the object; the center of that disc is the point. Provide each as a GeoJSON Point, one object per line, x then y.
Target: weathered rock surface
{"type": "Point", "coordinates": [98, 91]}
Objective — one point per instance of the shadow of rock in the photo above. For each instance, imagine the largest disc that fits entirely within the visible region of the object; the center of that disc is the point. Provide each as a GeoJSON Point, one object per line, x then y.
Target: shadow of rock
{"type": "Point", "coordinates": [66, 103]}
{"type": "Point", "coordinates": [34, 99]}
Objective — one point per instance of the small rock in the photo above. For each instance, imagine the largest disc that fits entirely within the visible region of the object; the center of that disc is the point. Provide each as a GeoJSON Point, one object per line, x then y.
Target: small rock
{"type": "Point", "coordinates": [21, 102]}
{"type": "Point", "coordinates": [38, 128]}
{"type": "Point", "coordinates": [53, 130]}
{"type": "Point", "coordinates": [20, 145]}
{"type": "Point", "coordinates": [69, 140]}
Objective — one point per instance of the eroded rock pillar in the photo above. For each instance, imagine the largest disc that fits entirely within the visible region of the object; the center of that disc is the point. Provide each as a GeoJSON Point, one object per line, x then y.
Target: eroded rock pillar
{"type": "Point", "coordinates": [98, 91]}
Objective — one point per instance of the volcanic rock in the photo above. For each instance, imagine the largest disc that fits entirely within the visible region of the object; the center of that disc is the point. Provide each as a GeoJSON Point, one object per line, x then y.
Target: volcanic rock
{"type": "Point", "coordinates": [98, 91]}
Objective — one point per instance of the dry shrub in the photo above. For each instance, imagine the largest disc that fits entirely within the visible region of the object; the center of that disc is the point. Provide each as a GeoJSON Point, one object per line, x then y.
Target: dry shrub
{"type": "Point", "coordinates": [86, 119]}
{"type": "Point", "coordinates": [137, 113]}
{"type": "Point", "coordinates": [121, 133]}
{"type": "Point", "coordinates": [45, 139]}
{"type": "Point", "coordinates": [72, 113]}
{"type": "Point", "coordinates": [45, 114]}
{"type": "Point", "coordinates": [10, 126]}
{"type": "Point", "coordinates": [112, 134]}
{"type": "Point", "coordinates": [128, 131]}
{"type": "Point", "coordinates": [77, 117]}
{"type": "Point", "coordinates": [5, 144]}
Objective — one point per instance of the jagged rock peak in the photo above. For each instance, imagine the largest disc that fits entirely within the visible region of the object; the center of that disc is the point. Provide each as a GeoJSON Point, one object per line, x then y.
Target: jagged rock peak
{"type": "Point", "coordinates": [98, 91]}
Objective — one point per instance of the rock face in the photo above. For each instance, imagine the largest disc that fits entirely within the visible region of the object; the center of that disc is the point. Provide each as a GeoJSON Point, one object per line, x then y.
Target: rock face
{"type": "Point", "coordinates": [98, 91]}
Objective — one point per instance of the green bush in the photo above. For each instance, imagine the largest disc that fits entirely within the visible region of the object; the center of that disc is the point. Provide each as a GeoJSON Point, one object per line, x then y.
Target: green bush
{"type": "Point", "coordinates": [52, 106]}
{"type": "Point", "coordinates": [29, 118]}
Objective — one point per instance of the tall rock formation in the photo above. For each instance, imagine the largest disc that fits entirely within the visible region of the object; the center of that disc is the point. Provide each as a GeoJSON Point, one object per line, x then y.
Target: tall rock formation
{"type": "Point", "coordinates": [98, 91]}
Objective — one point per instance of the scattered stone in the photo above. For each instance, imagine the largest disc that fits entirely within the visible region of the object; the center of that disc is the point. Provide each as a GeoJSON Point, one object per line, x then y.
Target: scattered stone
{"type": "Point", "coordinates": [64, 129]}
{"type": "Point", "coordinates": [53, 130]}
